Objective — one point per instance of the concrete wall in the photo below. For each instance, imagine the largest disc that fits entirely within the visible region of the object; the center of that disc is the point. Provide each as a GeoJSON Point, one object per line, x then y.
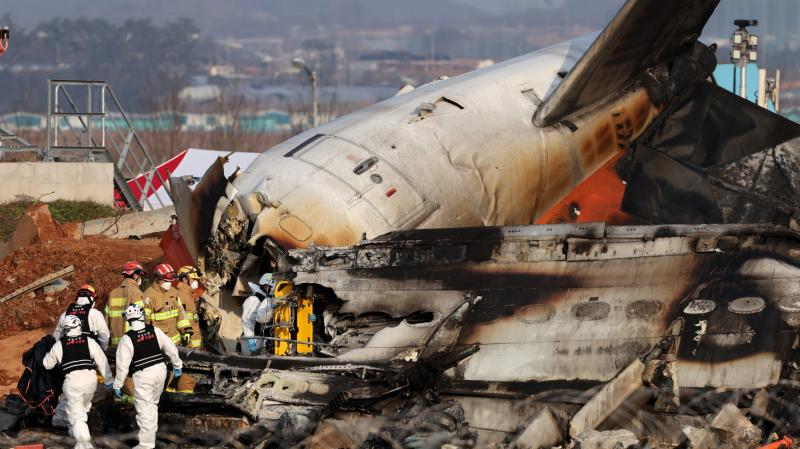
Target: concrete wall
{"type": "Point", "coordinates": [78, 181]}
{"type": "Point", "coordinates": [140, 224]}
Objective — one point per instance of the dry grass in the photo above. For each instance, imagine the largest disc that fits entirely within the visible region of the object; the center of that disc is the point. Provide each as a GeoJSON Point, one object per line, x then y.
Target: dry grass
{"type": "Point", "coordinates": [164, 145]}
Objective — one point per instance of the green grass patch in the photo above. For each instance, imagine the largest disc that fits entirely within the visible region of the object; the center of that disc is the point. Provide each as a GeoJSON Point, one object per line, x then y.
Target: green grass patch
{"type": "Point", "coordinates": [65, 211]}
{"type": "Point", "coordinates": [9, 213]}
{"type": "Point", "coordinates": [61, 210]}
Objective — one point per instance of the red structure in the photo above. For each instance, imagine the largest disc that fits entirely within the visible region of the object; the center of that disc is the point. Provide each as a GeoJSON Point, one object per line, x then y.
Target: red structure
{"type": "Point", "coordinates": [4, 34]}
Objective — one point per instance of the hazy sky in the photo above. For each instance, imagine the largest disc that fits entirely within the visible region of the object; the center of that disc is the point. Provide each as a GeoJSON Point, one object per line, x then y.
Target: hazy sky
{"type": "Point", "coordinates": [509, 6]}
{"type": "Point", "coordinates": [779, 18]}
{"type": "Point", "coordinates": [29, 12]}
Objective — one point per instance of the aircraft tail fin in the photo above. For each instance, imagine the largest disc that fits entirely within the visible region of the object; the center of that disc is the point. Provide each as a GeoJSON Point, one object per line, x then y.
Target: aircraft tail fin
{"type": "Point", "coordinates": [644, 34]}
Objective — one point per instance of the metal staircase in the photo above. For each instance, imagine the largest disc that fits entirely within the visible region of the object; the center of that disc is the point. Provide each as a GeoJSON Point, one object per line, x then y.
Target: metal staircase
{"type": "Point", "coordinates": [96, 128]}
{"type": "Point", "coordinates": [12, 142]}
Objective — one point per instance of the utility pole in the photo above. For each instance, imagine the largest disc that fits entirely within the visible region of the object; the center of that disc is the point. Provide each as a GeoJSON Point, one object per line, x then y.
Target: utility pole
{"type": "Point", "coordinates": [312, 78]}
{"type": "Point", "coordinates": [433, 46]}
{"type": "Point", "coordinates": [744, 49]}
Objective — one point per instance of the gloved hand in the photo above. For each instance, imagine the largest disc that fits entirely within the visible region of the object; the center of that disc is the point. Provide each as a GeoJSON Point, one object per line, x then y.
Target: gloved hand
{"type": "Point", "coordinates": [251, 345]}
{"type": "Point", "coordinates": [109, 386]}
{"type": "Point", "coordinates": [312, 318]}
{"type": "Point", "coordinates": [177, 372]}
{"type": "Point", "coordinates": [118, 393]}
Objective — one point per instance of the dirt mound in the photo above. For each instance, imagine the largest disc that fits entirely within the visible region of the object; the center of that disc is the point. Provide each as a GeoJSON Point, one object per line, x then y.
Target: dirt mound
{"type": "Point", "coordinates": [97, 261]}
{"type": "Point", "coordinates": [37, 225]}
{"type": "Point", "coordinates": [11, 357]}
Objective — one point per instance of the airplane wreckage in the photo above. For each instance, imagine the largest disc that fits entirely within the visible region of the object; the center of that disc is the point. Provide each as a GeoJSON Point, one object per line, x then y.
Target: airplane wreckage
{"type": "Point", "coordinates": [462, 300]}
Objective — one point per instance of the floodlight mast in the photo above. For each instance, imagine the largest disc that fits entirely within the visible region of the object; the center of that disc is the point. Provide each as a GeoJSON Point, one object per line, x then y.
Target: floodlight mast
{"type": "Point", "coordinates": [744, 49]}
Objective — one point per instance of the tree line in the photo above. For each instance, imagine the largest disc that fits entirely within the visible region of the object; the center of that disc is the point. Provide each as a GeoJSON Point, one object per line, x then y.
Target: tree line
{"type": "Point", "coordinates": [141, 60]}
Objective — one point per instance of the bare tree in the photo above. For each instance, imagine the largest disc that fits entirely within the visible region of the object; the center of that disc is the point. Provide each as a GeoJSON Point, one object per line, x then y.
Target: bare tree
{"type": "Point", "coordinates": [236, 128]}
{"type": "Point", "coordinates": [231, 106]}
{"type": "Point", "coordinates": [165, 143]}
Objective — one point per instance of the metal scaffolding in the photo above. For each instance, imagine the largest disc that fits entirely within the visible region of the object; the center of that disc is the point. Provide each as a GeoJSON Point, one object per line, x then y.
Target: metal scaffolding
{"type": "Point", "coordinates": [12, 142]}
{"type": "Point", "coordinates": [80, 130]}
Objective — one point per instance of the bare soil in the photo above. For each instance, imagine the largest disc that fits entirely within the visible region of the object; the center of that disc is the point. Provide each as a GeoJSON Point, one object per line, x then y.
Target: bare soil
{"type": "Point", "coordinates": [97, 261]}
{"type": "Point", "coordinates": [11, 357]}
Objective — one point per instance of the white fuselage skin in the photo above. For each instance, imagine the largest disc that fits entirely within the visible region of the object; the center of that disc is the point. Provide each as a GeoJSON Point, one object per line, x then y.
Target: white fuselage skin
{"type": "Point", "coordinates": [454, 153]}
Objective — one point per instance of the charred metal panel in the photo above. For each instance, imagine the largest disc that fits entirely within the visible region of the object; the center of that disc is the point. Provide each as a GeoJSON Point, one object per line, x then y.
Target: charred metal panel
{"type": "Point", "coordinates": [578, 308]}
{"type": "Point", "coordinates": [286, 387]}
{"type": "Point", "coordinates": [593, 250]}
{"type": "Point", "coordinates": [469, 234]}
{"type": "Point", "coordinates": [608, 399]}
{"type": "Point", "coordinates": [714, 158]}
{"type": "Point", "coordinates": [643, 309]}
{"type": "Point", "coordinates": [193, 207]}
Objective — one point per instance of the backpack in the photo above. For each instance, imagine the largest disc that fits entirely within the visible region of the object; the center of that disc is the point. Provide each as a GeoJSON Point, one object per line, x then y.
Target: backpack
{"type": "Point", "coordinates": [38, 387]}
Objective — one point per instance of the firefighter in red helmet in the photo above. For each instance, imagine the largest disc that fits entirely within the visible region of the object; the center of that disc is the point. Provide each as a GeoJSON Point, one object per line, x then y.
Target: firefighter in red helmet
{"type": "Point", "coordinates": [163, 305]}
{"type": "Point", "coordinates": [129, 292]}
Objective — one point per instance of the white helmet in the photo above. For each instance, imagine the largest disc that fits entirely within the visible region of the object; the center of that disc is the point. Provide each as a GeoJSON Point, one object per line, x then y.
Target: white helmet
{"type": "Point", "coordinates": [134, 312]}
{"type": "Point", "coordinates": [72, 326]}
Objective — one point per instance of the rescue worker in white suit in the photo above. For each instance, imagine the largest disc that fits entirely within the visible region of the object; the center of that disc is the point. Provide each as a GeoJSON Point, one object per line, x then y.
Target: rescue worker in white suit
{"type": "Point", "coordinates": [92, 320]}
{"type": "Point", "coordinates": [78, 355]}
{"type": "Point", "coordinates": [257, 311]}
{"type": "Point", "coordinates": [93, 325]}
{"type": "Point", "coordinates": [141, 352]}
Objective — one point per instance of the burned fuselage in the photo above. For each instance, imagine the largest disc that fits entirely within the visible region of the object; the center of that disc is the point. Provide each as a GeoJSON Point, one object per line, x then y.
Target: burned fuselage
{"type": "Point", "coordinates": [498, 146]}
{"type": "Point", "coordinates": [455, 153]}
{"type": "Point", "coordinates": [493, 318]}
{"type": "Point", "coordinates": [567, 302]}
{"type": "Point", "coordinates": [373, 216]}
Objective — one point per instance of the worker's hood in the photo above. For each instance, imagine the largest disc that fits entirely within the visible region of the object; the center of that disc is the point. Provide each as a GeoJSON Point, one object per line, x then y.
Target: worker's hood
{"type": "Point", "coordinates": [256, 289]}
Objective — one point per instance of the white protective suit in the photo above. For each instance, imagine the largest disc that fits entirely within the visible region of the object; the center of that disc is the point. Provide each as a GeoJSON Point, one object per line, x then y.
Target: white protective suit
{"type": "Point", "coordinates": [265, 311]}
{"type": "Point", "coordinates": [97, 324]}
{"type": "Point", "coordinates": [249, 311]}
{"type": "Point", "coordinates": [255, 310]}
{"type": "Point", "coordinates": [148, 384]}
{"type": "Point", "coordinates": [79, 387]}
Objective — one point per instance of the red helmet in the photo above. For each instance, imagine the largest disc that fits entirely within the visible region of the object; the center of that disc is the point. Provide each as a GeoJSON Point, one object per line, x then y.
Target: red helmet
{"type": "Point", "coordinates": [132, 267]}
{"type": "Point", "coordinates": [165, 271]}
{"type": "Point", "coordinates": [87, 290]}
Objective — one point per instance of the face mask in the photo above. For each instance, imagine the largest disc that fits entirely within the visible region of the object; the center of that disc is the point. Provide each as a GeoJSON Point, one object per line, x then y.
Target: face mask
{"type": "Point", "coordinates": [136, 325]}
{"type": "Point", "coordinates": [166, 285]}
{"type": "Point", "coordinates": [83, 300]}
{"type": "Point", "coordinates": [194, 284]}
{"type": "Point", "coordinates": [139, 282]}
